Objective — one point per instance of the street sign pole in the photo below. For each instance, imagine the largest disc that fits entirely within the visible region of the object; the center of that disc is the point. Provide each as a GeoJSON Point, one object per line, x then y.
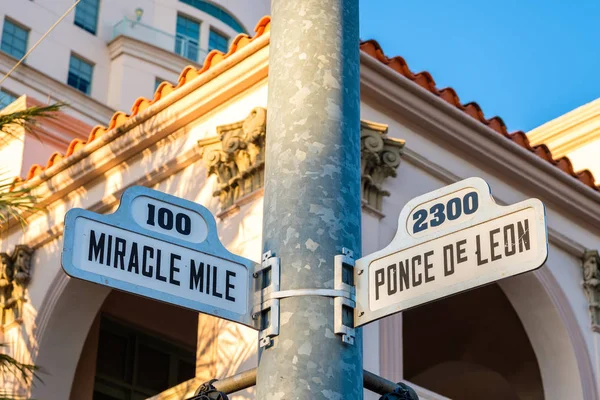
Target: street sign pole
{"type": "Point", "coordinates": [312, 195]}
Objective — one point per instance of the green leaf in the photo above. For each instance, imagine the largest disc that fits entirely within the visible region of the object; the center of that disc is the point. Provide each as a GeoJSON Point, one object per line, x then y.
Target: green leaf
{"type": "Point", "coordinates": [26, 118]}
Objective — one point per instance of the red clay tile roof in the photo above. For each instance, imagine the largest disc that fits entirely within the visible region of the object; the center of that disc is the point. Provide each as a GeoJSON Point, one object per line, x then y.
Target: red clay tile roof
{"type": "Point", "coordinates": [371, 48]}
{"type": "Point", "coordinates": [164, 89]}
{"type": "Point", "coordinates": [424, 79]}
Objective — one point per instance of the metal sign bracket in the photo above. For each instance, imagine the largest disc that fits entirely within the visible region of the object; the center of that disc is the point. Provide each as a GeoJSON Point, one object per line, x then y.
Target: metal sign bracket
{"type": "Point", "coordinates": [266, 309]}
{"type": "Point", "coordinates": [344, 278]}
{"type": "Point", "coordinates": [265, 312]}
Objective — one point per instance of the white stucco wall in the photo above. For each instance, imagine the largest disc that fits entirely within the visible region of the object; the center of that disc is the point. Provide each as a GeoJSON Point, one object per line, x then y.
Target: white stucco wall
{"type": "Point", "coordinates": [551, 336]}
{"type": "Point", "coordinates": [53, 54]}
{"type": "Point", "coordinates": [549, 302]}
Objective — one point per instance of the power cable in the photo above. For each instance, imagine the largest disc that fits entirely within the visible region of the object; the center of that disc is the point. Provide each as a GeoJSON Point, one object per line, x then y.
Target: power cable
{"type": "Point", "coordinates": [38, 42]}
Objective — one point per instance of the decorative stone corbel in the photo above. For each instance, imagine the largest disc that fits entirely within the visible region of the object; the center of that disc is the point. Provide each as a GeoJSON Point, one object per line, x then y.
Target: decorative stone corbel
{"type": "Point", "coordinates": [238, 160]}
{"type": "Point", "coordinates": [380, 157]}
{"type": "Point", "coordinates": [15, 275]}
{"type": "Point", "coordinates": [591, 285]}
{"type": "Point", "coordinates": [239, 163]}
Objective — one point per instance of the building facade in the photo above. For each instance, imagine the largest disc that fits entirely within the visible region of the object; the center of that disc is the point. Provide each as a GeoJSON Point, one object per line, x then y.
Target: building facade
{"type": "Point", "coordinates": [106, 53]}
{"type": "Point", "coordinates": [200, 136]}
{"type": "Point", "coordinates": [575, 135]}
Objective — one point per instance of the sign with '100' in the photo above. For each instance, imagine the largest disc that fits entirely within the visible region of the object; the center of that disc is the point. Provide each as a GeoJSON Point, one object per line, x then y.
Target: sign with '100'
{"type": "Point", "coordinates": [162, 247]}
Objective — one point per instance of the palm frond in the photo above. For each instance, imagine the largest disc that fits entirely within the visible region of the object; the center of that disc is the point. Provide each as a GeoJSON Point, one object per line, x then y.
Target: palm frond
{"type": "Point", "coordinates": [26, 118]}
{"type": "Point", "coordinates": [14, 201]}
{"type": "Point", "coordinates": [9, 396]}
{"type": "Point", "coordinates": [23, 372]}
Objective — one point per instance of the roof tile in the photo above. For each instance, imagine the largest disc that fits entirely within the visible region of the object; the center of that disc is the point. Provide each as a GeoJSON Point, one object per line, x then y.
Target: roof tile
{"type": "Point", "coordinates": [370, 47]}
{"type": "Point", "coordinates": [424, 79]}
{"type": "Point", "coordinates": [188, 74]}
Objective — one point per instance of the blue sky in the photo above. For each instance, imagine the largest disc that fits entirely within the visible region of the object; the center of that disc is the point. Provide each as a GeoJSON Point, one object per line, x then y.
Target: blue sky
{"type": "Point", "coordinates": [527, 61]}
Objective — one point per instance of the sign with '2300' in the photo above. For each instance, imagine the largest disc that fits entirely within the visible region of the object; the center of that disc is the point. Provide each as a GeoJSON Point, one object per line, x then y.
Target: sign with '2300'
{"type": "Point", "coordinates": [448, 241]}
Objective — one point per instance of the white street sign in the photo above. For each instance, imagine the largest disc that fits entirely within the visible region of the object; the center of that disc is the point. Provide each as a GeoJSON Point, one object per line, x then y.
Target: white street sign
{"type": "Point", "coordinates": [451, 240]}
{"type": "Point", "coordinates": [162, 247]}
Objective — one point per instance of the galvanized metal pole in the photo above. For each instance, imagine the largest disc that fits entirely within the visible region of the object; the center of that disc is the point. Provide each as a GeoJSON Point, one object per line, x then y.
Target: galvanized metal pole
{"type": "Point", "coordinates": [246, 379]}
{"type": "Point", "coordinates": [312, 202]}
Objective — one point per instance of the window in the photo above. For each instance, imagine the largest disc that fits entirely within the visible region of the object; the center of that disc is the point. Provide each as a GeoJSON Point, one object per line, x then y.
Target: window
{"type": "Point", "coordinates": [216, 12]}
{"type": "Point", "coordinates": [14, 39]}
{"type": "Point", "coordinates": [188, 35]}
{"type": "Point", "coordinates": [157, 82]}
{"type": "Point", "coordinates": [86, 15]}
{"type": "Point", "coordinates": [134, 365]}
{"type": "Point", "coordinates": [80, 74]}
{"type": "Point", "coordinates": [216, 41]}
{"type": "Point", "coordinates": [6, 98]}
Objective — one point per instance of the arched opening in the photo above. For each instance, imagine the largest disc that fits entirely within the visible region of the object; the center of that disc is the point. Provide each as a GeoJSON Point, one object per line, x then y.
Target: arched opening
{"type": "Point", "coordinates": [68, 323]}
{"type": "Point", "coordinates": [136, 348]}
{"type": "Point", "coordinates": [471, 346]}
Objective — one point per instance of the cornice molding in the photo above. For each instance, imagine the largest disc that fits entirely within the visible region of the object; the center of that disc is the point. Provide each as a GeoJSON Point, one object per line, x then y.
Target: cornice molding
{"type": "Point", "coordinates": [570, 131]}
{"type": "Point", "coordinates": [194, 99]}
{"type": "Point", "coordinates": [555, 237]}
{"type": "Point", "coordinates": [406, 100]}
{"type": "Point", "coordinates": [55, 90]}
{"type": "Point", "coordinates": [125, 45]}
{"type": "Point", "coordinates": [239, 161]}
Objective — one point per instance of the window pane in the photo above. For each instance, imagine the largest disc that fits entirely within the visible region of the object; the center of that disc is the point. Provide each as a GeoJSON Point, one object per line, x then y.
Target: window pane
{"type": "Point", "coordinates": [14, 39]}
{"type": "Point", "coordinates": [216, 12]}
{"type": "Point", "coordinates": [104, 390]}
{"type": "Point", "coordinates": [154, 363]}
{"type": "Point", "coordinates": [6, 98]}
{"type": "Point", "coordinates": [86, 15]}
{"type": "Point", "coordinates": [102, 396]}
{"type": "Point", "coordinates": [80, 74]}
{"type": "Point", "coordinates": [216, 41]}
{"type": "Point", "coordinates": [188, 28]}
{"type": "Point", "coordinates": [152, 368]}
{"type": "Point", "coordinates": [186, 41]}
{"type": "Point", "coordinates": [185, 371]}
{"type": "Point", "coordinates": [112, 355]}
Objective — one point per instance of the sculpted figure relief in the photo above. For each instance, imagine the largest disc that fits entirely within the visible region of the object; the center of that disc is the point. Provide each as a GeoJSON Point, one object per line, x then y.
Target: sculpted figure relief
{"type": "Point", "coordinates": [6, 278]}
{"type": "Point", "coordinates": [591, 284]}
{"type": "Point", "coordinates": [22, 267]}
{"type": "Point", "coordinates": [15, 274]}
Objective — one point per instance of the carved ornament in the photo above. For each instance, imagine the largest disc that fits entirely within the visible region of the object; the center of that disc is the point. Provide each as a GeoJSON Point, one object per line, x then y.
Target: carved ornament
{"type": "Point", "coordinates": [591, 285]}
{"type": "Point", "coordinates": [15, 274]}
{"type": "Point", "coordinates": [379, 157]}
{"type": "Point", "coordinates": [238, 160]}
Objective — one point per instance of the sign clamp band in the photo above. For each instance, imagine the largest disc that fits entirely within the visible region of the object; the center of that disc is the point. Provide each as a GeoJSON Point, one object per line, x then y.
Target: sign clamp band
{"type": "Point", "coordinates": [266, 309]}
{"type": "Point", "coordinates": [282, 294]}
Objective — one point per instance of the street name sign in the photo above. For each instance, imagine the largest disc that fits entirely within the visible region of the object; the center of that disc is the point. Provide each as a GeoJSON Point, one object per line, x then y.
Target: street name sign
{"type": "Point", "coordinates": [450, 240]}
{"type": "Point", "coordinates": [161, 247]}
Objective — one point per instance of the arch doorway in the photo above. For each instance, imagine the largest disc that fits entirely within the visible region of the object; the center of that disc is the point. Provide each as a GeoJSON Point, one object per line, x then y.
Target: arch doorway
{"type": "Point", "coordinates": [471, 346]}
{"type": "Point", "coordinates": [136, 348]}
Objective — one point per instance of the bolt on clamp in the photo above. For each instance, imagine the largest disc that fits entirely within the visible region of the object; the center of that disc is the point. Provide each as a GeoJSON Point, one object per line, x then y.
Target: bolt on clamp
{"type": "Point", "coordinates": [268, 295]}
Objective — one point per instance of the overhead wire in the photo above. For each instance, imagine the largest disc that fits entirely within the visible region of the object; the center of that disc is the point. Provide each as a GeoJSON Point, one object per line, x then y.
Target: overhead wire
{"type": "Point", "coordinates": [38, 42]}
